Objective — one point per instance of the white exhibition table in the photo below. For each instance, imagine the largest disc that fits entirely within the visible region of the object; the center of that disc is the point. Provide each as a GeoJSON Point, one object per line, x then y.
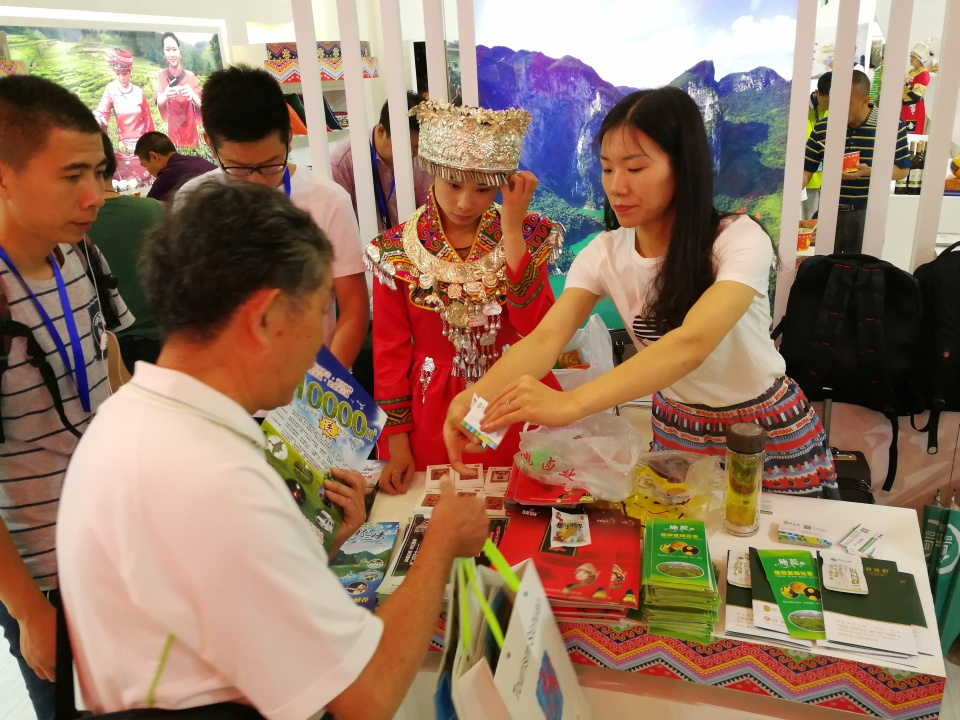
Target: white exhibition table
{"type": "Point", "coordinates": [645, 684]}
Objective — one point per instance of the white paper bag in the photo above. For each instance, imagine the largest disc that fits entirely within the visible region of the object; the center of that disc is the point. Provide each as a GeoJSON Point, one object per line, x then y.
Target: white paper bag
{"type": "Point", "coordinates": [534, 676]}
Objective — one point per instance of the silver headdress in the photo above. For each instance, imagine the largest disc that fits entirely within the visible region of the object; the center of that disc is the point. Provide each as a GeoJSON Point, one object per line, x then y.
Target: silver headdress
{"type": "Point", "coordinates": [470, 143]}
{"type": "Point", "coordinates": [921, 51]}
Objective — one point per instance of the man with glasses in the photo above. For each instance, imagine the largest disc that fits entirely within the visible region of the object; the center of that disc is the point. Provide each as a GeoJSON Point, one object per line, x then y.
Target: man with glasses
{"type": "Point", "coordinates": [247, 125]}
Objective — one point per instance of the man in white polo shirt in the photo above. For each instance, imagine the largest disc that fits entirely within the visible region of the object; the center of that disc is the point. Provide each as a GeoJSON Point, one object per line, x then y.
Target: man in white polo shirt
{"type": "Point", "coordinates": [189, 576]}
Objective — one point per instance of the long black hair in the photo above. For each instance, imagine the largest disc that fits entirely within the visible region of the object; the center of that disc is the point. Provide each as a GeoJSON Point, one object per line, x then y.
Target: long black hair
{"type": "Point", "coordinates": [670, 118]}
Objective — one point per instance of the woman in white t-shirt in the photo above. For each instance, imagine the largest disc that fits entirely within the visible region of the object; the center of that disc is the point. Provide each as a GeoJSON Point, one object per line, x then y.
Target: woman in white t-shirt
{"type": "Point", "coordinates": [691, 287]}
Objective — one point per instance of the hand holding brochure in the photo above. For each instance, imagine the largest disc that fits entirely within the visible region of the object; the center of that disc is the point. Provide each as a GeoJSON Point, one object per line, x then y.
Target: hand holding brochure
{"type": "Point", "coordinates": [362, 562]}
{"type": "Point", "coordinates": [331, 423]}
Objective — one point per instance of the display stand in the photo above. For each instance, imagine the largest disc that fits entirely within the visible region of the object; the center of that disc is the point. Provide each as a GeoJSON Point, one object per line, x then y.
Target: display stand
{"type": "Point", "coordinates": [794, 683]}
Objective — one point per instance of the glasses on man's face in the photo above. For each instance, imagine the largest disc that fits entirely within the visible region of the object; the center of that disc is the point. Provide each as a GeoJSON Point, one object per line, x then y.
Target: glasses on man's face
{"type": "Point", "coordinates": [247, 171]}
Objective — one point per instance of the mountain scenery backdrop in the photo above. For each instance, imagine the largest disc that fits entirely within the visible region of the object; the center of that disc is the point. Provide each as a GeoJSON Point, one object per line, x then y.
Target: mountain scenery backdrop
{"type": "Point", "coordinates": [745, 114]}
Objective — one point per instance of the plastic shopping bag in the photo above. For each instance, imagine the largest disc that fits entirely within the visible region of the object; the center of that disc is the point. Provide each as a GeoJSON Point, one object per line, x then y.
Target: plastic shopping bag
{"type": "Point", "coordinates": [674, 485]}
{"type": "Point", "coordinates": [597, 453]}
{"type": "Point", "coordinates": [595, 346]}
{"type": "Point", "coordinates": [673, 477]}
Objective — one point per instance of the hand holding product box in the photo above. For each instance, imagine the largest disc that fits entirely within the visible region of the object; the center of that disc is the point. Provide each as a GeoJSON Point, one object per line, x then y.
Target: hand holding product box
{"type": "Point", "coordinates": [850, 161]}
{"type": "Point", "coordinates": [471, 422]}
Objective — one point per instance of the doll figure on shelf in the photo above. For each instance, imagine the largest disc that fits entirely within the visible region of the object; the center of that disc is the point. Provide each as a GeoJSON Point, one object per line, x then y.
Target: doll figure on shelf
{"type": "Point", "coordinates": [913, 113]}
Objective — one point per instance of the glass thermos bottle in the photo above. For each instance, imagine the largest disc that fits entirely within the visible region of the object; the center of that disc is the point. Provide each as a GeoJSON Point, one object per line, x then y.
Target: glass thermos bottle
{"type": "Point", "coordinates": [744, 472]}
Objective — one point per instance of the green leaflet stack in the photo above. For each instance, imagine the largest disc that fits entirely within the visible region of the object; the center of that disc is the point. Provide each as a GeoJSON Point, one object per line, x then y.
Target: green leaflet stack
{"type": "Point", "coordinates": [680, 595]}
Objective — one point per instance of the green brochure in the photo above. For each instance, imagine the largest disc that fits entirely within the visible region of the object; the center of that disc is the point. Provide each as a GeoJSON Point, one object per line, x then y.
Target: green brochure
{"type": "Point", "coordinates": [677, 556]}
{"type": "Point", "coordinates": [795, 583]}
{"type": "Point", "coordinates": [880, 621]}
{"type": "Point", "coordinates": [331, 423]}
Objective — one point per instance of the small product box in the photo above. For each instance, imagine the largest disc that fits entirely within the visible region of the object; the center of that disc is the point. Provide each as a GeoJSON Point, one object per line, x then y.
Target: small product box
{"type": "Point", "coordinates": [436, 473]}
{"type": "Point", "coordinates": [496, 480]}
{"type": "Point", "coordinates": [470, 483]}
{"type": "Point", "coordinates": [472, 422]}
{"type": "Point", "coordinates": [850, 161]}
{"type": "Point", "coordinates": [794, 533]}
{"type": "Point", "coordinates": [861, 541]}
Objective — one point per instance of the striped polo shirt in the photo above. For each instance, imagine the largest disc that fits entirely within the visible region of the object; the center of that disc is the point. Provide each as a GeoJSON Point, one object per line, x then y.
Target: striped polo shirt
{"type": "Point", "coordinates": [37, 446]}
{"type": "Point", "coordinates": [859, 139]}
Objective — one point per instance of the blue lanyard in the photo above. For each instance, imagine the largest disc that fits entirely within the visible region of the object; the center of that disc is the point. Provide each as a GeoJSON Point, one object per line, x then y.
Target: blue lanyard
{"type": "Point", "coordinates": [378, 188]}
{"type": "Point", "coordinates": [80, 371]}
{"type": "Point", "coordinates": [286, 181]}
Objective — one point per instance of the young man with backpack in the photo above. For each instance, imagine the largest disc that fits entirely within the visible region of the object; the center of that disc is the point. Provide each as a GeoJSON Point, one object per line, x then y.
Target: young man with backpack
{"type": "Point", "coordinates": [54, 299]}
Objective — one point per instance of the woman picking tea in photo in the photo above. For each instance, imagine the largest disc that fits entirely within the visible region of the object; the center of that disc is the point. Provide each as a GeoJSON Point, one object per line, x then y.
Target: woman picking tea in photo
{"type": "Point", "coordinates": [127, 102]}
{"type": "Point", "coordinates": [691, 288]}
{"type": "Point", "coordinates": [457, 283]}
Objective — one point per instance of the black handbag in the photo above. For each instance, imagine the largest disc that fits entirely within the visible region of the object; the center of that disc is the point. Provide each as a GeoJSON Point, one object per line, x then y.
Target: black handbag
{"type": "Point", "coordinates": [854, 482]}
{"type": "Point", "coordinates": [853, 476]}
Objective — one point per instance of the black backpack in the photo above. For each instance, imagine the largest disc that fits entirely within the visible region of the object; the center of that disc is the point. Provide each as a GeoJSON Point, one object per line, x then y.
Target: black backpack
{"type": "Point", "coordinates": [937, 359]}
{"type": "Point", "coordinates": [849, 334]}
{"type": "Point", "coordinates": [102, 281]}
